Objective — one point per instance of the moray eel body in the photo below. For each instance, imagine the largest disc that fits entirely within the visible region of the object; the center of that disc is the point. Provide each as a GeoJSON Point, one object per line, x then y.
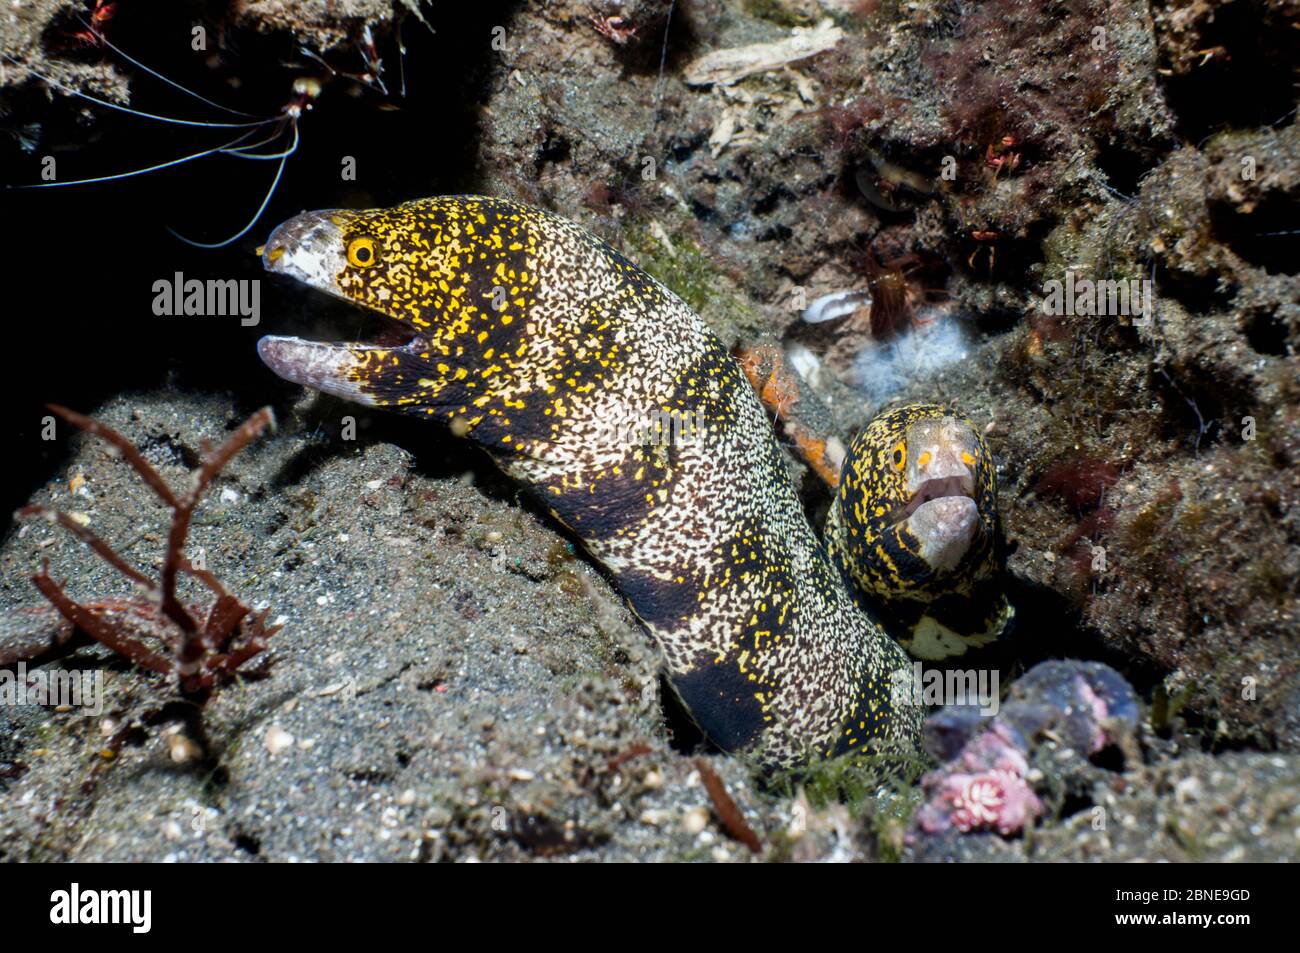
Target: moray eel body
{"type": "Point", "coordinates": [550, 349]}
{"type": "Point", "coordinates": [913, 529]}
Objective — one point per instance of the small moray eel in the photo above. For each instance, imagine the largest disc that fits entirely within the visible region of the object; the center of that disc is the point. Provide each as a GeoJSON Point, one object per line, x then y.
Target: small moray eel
{"type": "Point", "coordinates": [541, 343]}
{"type": "Point", "coordinates": [913, 529]}
{"type": "Point", "coordinates": [913, 523]}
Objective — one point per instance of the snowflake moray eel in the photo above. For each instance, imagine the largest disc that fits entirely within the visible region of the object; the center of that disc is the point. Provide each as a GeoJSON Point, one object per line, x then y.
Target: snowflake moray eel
{"type": "Point", "coordinates": [544, 345]}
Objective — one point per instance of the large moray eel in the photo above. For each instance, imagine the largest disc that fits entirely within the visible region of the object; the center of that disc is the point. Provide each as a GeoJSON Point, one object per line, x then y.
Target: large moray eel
{"type": "Point", "coordinates": [574, 369]}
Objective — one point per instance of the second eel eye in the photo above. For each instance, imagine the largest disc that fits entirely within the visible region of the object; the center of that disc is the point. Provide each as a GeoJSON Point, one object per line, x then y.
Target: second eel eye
{"type": "Point", "coordinates": [900, 455]}
{"type": "Point", "coordinates": [361, 252]}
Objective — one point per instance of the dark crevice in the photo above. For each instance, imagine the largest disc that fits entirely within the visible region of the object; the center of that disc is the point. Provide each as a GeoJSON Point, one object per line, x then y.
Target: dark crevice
{"type": "Point", "coordinates": [1041, 610]}
{"type": "Point", "coordinates": [554, 148]}
{"type": "Point", "coordinates": [10, 771]}
{"type": "Point", "coordinates": [684, 735]}
{"type": "Point", "coordinates": [1267, 237]}
{"type": "Point", "coordinates": [1198, 405]}
{"type": "Point", "coordinates": [247, 843]}
{"type": "Point", "coordinates": [1246, 76]}
{"type": "Point", "coordinates": [1266, 332]}
{"type": "Point", "coordinates": [702, 212]}
{"type": "Point", "coordinates": [683, 148]}
{"type": "Point", "coordinates": [774, 233]}
{"type": "Point", "coordinates": [1075, 804]}
{"type": "Point", "coordinates": [1124, 168]}
{"type": "Point", "coordinates": [1197, 293]}
{"type": "Point", "coordinates": [1002, 257]}
{"type": "Point", "coordinates": [665, 37]}
{"type": "Point", "coordinates": [997, 320]}
{"type": "Point", "coordinates": [166, 449]}
{"type": "Point", "coordinates": [766, 204]}
{"type": "Point", "coordinates": [1110, 758]}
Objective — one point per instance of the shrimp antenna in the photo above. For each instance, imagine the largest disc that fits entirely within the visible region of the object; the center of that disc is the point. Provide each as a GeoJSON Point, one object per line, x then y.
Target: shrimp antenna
{"type": "Point", "coordinates": [159, 76]}
{"type": "Point", "coordinates": [225, 149]}
{"type": "Point", "coordinates": [241, 152]}
{"type": "Point", "coordinates": [135, 112]}
{"type": "Point", "coordinates": [260, 209]}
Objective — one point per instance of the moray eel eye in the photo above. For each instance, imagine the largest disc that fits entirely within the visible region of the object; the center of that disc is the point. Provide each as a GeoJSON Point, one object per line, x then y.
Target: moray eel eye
{"type": "Point", "coordinates": [900, 455]}
{"type": "Point", "coordinates": [361, 252]}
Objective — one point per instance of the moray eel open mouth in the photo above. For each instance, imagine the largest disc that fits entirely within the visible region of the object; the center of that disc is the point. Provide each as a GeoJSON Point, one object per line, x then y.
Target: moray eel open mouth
{"type": "Point", "coordinates": [939, 488]}
{"type": "Point", "coordinates": [312, 249]}
{"type": "Point", "coordinates": [936, 459]}
{"type": "Point", "coordinates": [943, 515]}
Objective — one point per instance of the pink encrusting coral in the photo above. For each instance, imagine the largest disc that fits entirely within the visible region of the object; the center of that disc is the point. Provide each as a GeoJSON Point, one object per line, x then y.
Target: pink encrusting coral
{"type": "Point", "coordinates": [983, 789]}
{"type": "Point", "coordinates": [1100, 712]}
{"type": "Point", "coordinates": [985, 782]}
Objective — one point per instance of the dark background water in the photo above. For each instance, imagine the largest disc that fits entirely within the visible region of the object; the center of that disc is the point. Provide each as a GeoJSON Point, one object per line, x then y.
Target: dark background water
{"type": "Point", "coordinates": [79, 262]}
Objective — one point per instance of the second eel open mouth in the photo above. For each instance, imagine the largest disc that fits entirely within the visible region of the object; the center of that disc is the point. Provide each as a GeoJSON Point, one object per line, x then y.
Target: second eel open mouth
{"type": "Point", "coordinates": [941, 488]}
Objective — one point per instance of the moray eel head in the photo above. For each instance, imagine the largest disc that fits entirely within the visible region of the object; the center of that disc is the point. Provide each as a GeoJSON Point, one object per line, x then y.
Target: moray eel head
{"type": "Point", "coordinates": [312, 248]}
{"type": "Point", "coordinates": [915, 513]}
{"type": "Point", "coordinates": [454, 272]}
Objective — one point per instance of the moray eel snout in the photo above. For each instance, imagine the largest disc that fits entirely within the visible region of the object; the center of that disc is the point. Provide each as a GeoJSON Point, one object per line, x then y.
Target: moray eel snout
{"type": "Point", "coordinates": [308, 247]}
{"type": "Point", "coordinates": [941, 511]}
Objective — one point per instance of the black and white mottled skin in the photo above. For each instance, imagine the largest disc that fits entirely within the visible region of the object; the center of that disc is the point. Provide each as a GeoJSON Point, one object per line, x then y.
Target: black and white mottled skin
{"type": "Point", "coordinates": [571, 366]}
